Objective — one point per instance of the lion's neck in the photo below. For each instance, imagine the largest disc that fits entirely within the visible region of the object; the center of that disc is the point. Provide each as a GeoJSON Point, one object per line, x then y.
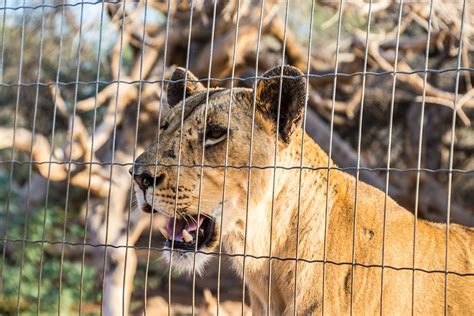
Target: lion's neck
{"type": "Point", "coordinates": [273, 218]}
{"type": "Point", "coordinates": [300, 203]}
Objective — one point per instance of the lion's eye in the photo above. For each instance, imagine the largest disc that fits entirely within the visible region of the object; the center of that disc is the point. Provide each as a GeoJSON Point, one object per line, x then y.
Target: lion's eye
{"type": "Point", "coordinates": [165, 125]}
{"type": "Point", "coordinates": [215, 135]}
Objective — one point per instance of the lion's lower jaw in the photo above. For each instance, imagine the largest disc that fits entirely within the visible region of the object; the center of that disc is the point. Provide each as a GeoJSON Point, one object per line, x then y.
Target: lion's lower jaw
{"type": "Point", "coordinates": [183, 262]}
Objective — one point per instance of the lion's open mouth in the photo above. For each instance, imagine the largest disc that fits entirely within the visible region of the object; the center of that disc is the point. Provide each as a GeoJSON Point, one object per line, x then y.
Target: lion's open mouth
{"type": "Point", "coordinates": [186, 232]}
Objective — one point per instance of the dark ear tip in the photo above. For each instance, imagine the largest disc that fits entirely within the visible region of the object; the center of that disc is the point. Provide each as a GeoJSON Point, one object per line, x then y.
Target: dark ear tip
{"type": "Point", "coordinates": [288, 71]}
{"type": "Point", "coordinates": [180, 74]}
{"type": "Point", "coordinates": [182, 82]}
{"type": "Point", "coordinates": [293, 79]}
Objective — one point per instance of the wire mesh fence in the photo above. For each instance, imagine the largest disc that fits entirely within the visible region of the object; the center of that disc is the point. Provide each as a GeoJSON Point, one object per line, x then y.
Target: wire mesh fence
{"type": "Point", "coordinates": [143, 139]}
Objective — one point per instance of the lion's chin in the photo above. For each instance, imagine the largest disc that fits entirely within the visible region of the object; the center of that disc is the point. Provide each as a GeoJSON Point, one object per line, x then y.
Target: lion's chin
{"type": "Point", "coordinates": [183, 261]}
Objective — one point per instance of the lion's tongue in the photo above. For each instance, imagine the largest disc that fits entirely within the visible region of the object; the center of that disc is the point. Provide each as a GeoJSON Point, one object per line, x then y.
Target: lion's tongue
{"type": "Point", "coordinates": [181, 224]}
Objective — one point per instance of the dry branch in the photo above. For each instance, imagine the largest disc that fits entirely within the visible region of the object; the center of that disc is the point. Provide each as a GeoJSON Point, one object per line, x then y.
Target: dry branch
{"type": "Point", "coordinates": [416, 83]}
{"type": "Point", "coordinates": [41, 152]}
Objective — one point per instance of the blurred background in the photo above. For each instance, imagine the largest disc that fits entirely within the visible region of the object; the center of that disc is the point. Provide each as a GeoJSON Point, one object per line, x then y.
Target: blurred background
{"type": "Point", "coordinates": [81, 91]}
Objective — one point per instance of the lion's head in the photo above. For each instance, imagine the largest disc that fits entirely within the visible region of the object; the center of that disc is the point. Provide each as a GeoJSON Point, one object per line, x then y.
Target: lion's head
{"type": "Point", "coordinates": [183, 174]}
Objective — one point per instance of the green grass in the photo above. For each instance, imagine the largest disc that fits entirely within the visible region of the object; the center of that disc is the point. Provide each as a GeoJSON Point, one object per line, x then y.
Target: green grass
{"type": "Point", "coordinates": [49, 287]}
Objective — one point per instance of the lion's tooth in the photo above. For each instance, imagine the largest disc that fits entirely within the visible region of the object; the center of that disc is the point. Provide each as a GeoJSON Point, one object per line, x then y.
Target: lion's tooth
{"type": "Point", "coordinates": [187, 236]}
{"type": "Point", "coordinates": [164, 232]}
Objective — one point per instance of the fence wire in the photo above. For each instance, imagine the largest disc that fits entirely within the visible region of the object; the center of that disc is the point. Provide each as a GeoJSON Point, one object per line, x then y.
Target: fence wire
{"type": "Point", "coordinates": [88, 150]}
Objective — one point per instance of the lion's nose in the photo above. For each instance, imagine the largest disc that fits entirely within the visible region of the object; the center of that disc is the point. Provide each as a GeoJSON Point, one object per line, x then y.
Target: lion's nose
{"type": "Point", "coordinates": [144, 180]}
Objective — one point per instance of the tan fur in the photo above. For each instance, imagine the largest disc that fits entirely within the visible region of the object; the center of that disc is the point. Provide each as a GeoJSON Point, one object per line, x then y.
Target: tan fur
{"type": "Point", "coordinates": [363, 282]}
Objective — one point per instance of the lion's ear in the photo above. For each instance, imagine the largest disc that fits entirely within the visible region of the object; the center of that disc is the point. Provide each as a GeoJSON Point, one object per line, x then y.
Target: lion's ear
{"type": "Point", "coordinates": [178, 85]}
{"type": "Point", "coordinates": [290, 101]}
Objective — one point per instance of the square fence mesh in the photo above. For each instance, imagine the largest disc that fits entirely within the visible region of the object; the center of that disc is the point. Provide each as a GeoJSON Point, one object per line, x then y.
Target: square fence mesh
{"type": "Point", "coordinates": [88, 86]}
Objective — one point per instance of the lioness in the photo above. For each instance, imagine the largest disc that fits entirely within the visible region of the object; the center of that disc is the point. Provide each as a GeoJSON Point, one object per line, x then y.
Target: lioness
{"type": "Point", "coordinates": [261, 214]}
